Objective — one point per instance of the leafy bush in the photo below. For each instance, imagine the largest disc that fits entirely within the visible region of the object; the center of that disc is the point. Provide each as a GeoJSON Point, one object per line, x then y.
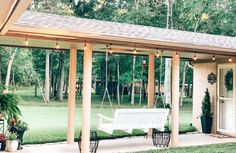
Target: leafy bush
{"type": "Point", "coordinates": [206, 105]}
{"type": "Point", "coordinates": [22, 125]}
{"type": "Point", "coordinates": [11, 136]}
{"type": "Point", "coordinates": [9, 105]}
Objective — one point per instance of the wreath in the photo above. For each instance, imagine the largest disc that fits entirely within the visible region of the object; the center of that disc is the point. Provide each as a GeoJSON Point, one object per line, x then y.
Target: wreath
{"type": "Point", "coordinates": [229, 80]}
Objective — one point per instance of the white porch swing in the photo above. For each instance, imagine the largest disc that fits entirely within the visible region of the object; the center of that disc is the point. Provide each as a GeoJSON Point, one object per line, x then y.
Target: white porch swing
{"type": "Point", "coordinates": [129, 119]}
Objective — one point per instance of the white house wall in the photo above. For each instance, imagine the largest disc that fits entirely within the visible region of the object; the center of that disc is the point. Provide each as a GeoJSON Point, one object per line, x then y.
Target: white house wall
{"type": "Point", "coordinates": [200, 83]}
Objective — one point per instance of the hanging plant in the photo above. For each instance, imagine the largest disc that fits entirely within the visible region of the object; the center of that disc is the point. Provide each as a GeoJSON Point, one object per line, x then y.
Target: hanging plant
{"type": "Point", "coordinates": [229, 80]}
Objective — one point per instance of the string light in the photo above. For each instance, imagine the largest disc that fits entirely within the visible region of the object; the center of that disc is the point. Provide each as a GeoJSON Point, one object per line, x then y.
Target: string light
{"type": "Point", "coordinates": [213, 57]}
{"type": "Point", "coordinates": [57, 45]}
{"type": "Point", "coordinates": [110, 50]}
{"type": "Point", "coordinates": [85, 45]}
{"type": "Point", "coordinates": [157, 54]}
{"type": "Point", "coordinates": [26, 40]}
{"type": "Point", "coordinates": [230, 59]}
{"type": "Point", "coordinates": [176, 54]}
{"type": "Point", "coordinates": [195, 57]}
{"type": "Point", "coordinates": [135, 51]}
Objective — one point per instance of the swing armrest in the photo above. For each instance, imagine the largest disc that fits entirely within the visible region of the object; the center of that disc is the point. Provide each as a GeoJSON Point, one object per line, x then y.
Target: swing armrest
{"type": "Point", "coordinates": [101, 117]}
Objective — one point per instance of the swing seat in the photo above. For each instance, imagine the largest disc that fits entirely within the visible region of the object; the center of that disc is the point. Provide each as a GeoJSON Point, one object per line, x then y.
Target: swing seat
{"type": "Point", "coordinates": [129, 119]}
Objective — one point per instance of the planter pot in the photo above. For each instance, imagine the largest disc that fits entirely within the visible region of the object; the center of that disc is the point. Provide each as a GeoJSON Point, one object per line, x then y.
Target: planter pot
{"type": "Point", "coordinates": [2, 145]}
{"type": "Point", "coordinates": [11, 145]}
{"type": "Point", "coordinates": [20, 134]}
{"type": "Point", "coordinates": [93, 141]}
{"type": "Point", "coordinates": [160, 139]}
{"type": "Point", "coordinates": [206, 124]}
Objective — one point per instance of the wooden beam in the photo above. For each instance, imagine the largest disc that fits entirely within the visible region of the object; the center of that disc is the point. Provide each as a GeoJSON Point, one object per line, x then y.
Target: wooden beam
{"type": "Point", "coordinates": [175, 100]}
{"type": "Point", "coordinates": [72, 95]}
{"type": "Point", "coordinates": [86, 102]}
{"type": "Point", "coordinates": [10, 11]}
{"type": "Point", "coordinates": [151, 84]}
{"type": "Point", "coordinates": [151, 80]}
{"type": "Point", "coordinates": [123, 41]}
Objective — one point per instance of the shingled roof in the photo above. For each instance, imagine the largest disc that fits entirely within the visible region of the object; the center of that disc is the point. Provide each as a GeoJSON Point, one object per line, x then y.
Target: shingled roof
{"type": "Point", "coordinates": [124, 30]}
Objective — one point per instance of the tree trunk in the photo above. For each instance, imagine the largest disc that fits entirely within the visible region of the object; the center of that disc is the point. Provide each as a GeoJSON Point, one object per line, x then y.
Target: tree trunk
{"type": "Point", "coordinates": [122, 93]}
{"type": "Point", "coordinates": [133, 84]}
{"type": "Point", "coordinates": [118, 82]}
{"type": "Point", "coordinates": [12, 57]}
{"type": "Point", "coordinates": [144, 90]}
{"type": "Point", "coordinates": [0, 69]}
{"type": "Point", "coordinates": [47, 80]}
{"type": "Point", "coordinates": [13, 81]}
{"type": "Point", "coordinates": [141, 85]}
{"type": "Point", "coordinates": [61, 77]}
{"type": "Point", "coordinates": [36, 89]}
{"type": "Point", "coordinates": [167, 81]}
{"type": "Point", "coordinates": [67, 83]}
{"type": "Point", "coordinates": [54, 86]}
{"type": "Point", "coordinates": [169, 21]}
{"type": "Point", "coordinates": [183, 83]}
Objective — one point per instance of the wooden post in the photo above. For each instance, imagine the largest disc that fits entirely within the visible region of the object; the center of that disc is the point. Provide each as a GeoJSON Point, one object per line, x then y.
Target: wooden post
{"type": "Point", "coordinates": [151, 84]}
{"type": "Point", "coordinates": [86, 103]}
{"type": "Point", "coordinates": [151, 80]}
{"type": "Point", "coordinates": [175, 100]}
{"type": "Point", "coordinates": [71, 98]}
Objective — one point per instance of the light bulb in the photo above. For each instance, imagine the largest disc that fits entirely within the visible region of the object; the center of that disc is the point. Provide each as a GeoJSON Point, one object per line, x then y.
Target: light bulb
{"type": "Point", "coordinates": [57, 45]}
{"type": "Point", "coordinates": [213, 58]}
{"type": "Point", "coordinates": [176, 54]}
{"type": "Point", "coordinates": [26, 41]}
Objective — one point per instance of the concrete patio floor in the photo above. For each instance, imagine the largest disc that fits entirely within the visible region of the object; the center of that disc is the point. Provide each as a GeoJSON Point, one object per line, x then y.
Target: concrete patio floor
{"type": "Point", "coordinates": [124, 144]}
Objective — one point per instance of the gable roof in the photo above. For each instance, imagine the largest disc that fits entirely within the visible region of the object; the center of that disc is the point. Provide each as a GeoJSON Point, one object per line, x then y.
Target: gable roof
{"type": "Point", "coordinates": [95, 29]}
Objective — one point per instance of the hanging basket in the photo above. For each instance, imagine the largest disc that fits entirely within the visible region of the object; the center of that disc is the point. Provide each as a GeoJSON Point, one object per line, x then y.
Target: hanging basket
{"type": "Point", "coordinates": [93, 141]}
{"type": "Point", "coordinates": [160, 139]}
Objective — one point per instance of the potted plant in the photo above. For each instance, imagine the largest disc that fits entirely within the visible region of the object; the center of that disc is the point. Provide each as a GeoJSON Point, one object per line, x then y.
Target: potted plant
{"type": "Point", "coordinates": [161, 138]}
{"type": "Point", "coordinates": [11, 142]}
{"type": "Point", "coordinates": [206, 116]}
{"type": "Point", "coordinates": [2, 141]}
{"type": "Point", "coordinates": [9, 105]}
{"type": "Point", "coordinates": [19, 127]}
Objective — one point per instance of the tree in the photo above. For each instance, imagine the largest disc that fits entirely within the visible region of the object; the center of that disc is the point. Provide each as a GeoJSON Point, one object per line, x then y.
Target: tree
{"type": "Point", "coordinates": [47, 80]}
{"type": "Point", "coordinates": [61, 77]}
{"type": "Point", "coordinates": [168, 61]}
{"type": "Point", "coordinates": [118, 80]}
{"type": "Point", "coordinates": [133, 82]}
{"type": "Point", "coordinates": [206, 105]}
{"type": "Point", "coordinates": [1, 64]}
{"type": "Point", "coordinates": [12, 57]}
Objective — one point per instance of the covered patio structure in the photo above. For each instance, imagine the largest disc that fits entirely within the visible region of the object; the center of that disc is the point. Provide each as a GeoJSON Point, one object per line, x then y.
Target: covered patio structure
{"type": "Point", "coordinates": [42, 30]}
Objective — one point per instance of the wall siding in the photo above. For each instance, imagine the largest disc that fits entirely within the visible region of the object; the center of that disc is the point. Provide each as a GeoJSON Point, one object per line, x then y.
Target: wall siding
{"type": "Point", "coordinates": [200, 83]}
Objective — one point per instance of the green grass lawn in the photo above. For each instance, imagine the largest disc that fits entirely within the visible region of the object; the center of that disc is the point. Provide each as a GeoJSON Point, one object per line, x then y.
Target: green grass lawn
{"type": "Point", "coordinates": [48, 122]}
{"type": "Point", "coordinates": [217, 148]}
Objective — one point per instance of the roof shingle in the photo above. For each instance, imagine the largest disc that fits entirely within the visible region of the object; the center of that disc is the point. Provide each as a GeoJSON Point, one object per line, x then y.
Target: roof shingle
{"type": "Point", "coordinates": [81, 25]}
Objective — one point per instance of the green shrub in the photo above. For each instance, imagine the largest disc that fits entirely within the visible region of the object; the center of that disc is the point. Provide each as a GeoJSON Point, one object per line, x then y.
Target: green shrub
{"type": "Point", "coordinates": [206, 105]}
{"type": "Point", "coordinates": [9, 105]}
{"type": "Point", "coordinates": [11, 136]}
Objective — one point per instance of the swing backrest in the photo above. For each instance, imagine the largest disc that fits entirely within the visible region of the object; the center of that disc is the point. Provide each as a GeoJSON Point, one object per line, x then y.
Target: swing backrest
{"type": "Point", "coordinates": [140, 118]}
